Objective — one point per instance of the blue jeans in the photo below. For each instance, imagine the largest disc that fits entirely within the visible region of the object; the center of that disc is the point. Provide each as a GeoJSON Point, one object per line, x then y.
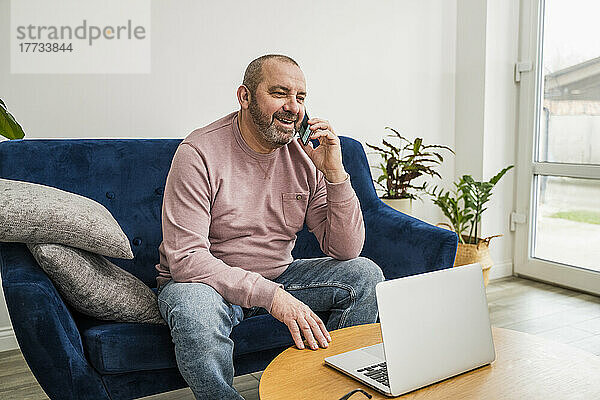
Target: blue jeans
{"type": "Point", "coordinates": [201, 320]}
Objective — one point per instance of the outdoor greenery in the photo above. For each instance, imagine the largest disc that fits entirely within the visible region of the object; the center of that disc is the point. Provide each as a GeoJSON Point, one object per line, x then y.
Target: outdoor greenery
{"type": "Point", "coordinates": [404, 163]}
{"type": "Point", "coordinates": [586, 216]}
{"type": "Point", "coordinates": [464, 204]}
{"type": "Point", "coordinates": [9, 127]}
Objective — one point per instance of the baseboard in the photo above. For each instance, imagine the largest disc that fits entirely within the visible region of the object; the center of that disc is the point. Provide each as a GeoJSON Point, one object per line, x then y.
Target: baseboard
{"type": "Point", "coordinates": [8, 341]}
{"type": "Point", "coordinates": [501, 270]}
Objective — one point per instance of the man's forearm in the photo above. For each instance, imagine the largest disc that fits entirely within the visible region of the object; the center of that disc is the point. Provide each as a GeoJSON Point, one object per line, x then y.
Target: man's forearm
{"type": "Point", "coordinates": [345, 233]}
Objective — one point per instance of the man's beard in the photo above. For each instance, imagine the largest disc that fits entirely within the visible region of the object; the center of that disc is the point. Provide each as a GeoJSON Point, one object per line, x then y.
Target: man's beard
{"type": "Point", "coordinates": [274, 135]}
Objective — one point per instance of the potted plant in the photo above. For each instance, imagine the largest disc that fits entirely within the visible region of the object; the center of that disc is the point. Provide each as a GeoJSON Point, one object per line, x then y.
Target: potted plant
{"type": "Point", "coordinates": [463, 206]}
{"type": "Point", "coordinates": [9, 127]}
{"type": "Point", "coordinates": [403, 164]}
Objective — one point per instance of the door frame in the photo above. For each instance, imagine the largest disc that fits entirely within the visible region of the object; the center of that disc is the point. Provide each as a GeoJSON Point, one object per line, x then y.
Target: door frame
{"type": "Point", "coordinates": [530, 50]}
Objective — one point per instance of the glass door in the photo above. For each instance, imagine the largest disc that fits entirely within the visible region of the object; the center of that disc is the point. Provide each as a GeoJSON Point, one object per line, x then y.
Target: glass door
{"type": "Point", "coordinates": [557, 219]}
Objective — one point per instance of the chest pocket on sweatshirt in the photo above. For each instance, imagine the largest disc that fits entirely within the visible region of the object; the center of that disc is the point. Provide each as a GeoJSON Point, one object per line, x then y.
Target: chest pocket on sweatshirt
{"type": "Point", "coordinates": [294, 209]}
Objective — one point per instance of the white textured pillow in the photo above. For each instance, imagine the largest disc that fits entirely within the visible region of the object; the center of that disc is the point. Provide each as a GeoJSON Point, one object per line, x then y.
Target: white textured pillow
{"type": "Point", "coordinates": [33, 213]}
{"type": "Point", "coordinates": [94, 286]}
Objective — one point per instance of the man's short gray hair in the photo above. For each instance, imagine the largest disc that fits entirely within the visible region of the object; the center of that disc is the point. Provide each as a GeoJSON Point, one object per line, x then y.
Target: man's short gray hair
{"type": "Point", "coordinates": [253, 74]}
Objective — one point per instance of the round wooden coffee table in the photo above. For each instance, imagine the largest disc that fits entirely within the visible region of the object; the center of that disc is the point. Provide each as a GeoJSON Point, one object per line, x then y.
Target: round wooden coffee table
{"type": "Point", "coordinates": [526, 367]}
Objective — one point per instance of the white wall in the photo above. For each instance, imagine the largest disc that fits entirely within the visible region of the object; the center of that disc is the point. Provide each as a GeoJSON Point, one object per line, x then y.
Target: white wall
{"type": "Point", "coordinates": [486, 103]}
{"type": "Point", "coordinates": [499, 147]}
{"type": "Point", "coordinates": [368, 65]}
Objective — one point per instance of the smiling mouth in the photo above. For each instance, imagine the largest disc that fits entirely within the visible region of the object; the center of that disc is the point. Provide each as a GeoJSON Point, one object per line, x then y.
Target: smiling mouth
{"type": "Point", "coordinates": [286, 121]}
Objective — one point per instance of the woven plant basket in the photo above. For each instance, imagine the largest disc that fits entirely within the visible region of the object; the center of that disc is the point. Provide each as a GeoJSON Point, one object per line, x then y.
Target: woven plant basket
{"type": "Point", "coordinates": [475, 253]}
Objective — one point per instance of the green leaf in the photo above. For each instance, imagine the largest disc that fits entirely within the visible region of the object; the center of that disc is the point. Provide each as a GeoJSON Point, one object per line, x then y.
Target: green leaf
{"type": "Point", "coordinates": [499, 175]}
{"type": "Point", "coordinates": [379, 149]}
{"type": "Point", "coordinates": [394, 149]}
{"type": "Point", "coordinates": [9, 127]}
{"type": "Point", "coordinates": [468, 179]}
{"type": "Point", "coordinates": [417, 145]}
{"type": "Point", "coordinates": [398, 134]}
{"type": "Point", "coordinates": [439, 146]}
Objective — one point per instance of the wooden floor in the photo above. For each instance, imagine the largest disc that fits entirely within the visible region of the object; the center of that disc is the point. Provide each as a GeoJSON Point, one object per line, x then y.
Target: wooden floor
{"type": "Point", "coordinates": [557, 314]}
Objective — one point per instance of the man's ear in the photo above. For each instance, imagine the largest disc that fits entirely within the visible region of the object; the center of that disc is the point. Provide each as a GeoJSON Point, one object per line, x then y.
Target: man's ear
{"type": "Point", "coordinates": [243, 95]}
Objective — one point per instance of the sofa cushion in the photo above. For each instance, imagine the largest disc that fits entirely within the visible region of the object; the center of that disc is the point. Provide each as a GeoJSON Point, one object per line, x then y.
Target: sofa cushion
{"type": "Point", "coordinates": [123, 347]}
{"type": "Point", "coordinates": [94, 286]}
{"type": "Point", "coordinates": [33, 213]}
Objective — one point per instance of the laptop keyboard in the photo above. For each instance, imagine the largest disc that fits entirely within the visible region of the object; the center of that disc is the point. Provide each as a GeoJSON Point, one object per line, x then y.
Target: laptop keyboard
{"type": "Point", "coordinates": [377, 372]}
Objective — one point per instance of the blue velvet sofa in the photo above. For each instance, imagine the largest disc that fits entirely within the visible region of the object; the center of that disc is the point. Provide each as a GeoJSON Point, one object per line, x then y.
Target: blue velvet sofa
{"type": "Point", "coordinates": [76, 357]}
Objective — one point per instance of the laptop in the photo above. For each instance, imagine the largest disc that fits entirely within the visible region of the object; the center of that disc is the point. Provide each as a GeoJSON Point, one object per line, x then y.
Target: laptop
{"type": "Point", "coordinates": [434, 326]}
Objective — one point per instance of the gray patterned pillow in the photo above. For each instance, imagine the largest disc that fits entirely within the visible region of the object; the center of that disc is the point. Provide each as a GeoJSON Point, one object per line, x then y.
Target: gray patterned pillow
{"type": "Point", "coordinates": [33, 213]}
{"type": "Point", "coordinates": [94, 286]}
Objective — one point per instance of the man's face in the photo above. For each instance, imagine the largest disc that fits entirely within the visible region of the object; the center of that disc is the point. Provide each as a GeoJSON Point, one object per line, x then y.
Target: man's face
{"type": "Point", "coordinates": [277, 107]}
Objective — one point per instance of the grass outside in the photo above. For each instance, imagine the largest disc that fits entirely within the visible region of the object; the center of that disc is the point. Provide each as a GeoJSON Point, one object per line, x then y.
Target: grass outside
{"type": "Point", "coordinates": [585, 216]}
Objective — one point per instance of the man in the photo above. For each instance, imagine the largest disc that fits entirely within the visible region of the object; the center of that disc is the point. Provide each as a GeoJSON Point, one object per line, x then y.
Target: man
{"type": "Point", "coordinates": [237, 193]}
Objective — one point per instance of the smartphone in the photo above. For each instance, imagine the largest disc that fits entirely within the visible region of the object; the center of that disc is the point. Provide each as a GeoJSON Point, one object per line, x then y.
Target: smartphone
{"type": "Point", "coordinates": [304, 130]}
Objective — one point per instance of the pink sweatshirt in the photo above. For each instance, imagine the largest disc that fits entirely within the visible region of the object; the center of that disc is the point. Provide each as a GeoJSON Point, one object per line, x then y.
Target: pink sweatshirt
{"type": "Point", "coordinates": [230, 215]}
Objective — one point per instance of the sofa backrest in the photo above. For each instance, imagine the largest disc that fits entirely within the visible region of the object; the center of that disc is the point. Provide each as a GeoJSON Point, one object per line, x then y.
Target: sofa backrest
{"type": "Point", "coordinates": [127, 176]}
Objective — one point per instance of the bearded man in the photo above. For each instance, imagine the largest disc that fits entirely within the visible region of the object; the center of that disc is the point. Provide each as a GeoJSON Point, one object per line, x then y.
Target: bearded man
{"type": "Point", "coordinates": [237, 193]}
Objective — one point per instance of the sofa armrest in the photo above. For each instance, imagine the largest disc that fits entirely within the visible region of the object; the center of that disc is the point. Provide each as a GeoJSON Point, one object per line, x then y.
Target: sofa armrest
{"type": "Point", "coordinates": [402, 245]}
{"type": "Point", "coordinates": [45, 329]}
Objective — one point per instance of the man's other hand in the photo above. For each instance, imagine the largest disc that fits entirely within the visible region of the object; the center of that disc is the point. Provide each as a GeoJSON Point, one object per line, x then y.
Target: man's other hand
{"type": "Point", "coordinates": [299, 318]}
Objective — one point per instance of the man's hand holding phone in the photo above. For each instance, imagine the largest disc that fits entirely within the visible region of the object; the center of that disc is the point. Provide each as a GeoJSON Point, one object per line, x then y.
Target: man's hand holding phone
{"type": "Point", "coordinates": [327, 157]}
